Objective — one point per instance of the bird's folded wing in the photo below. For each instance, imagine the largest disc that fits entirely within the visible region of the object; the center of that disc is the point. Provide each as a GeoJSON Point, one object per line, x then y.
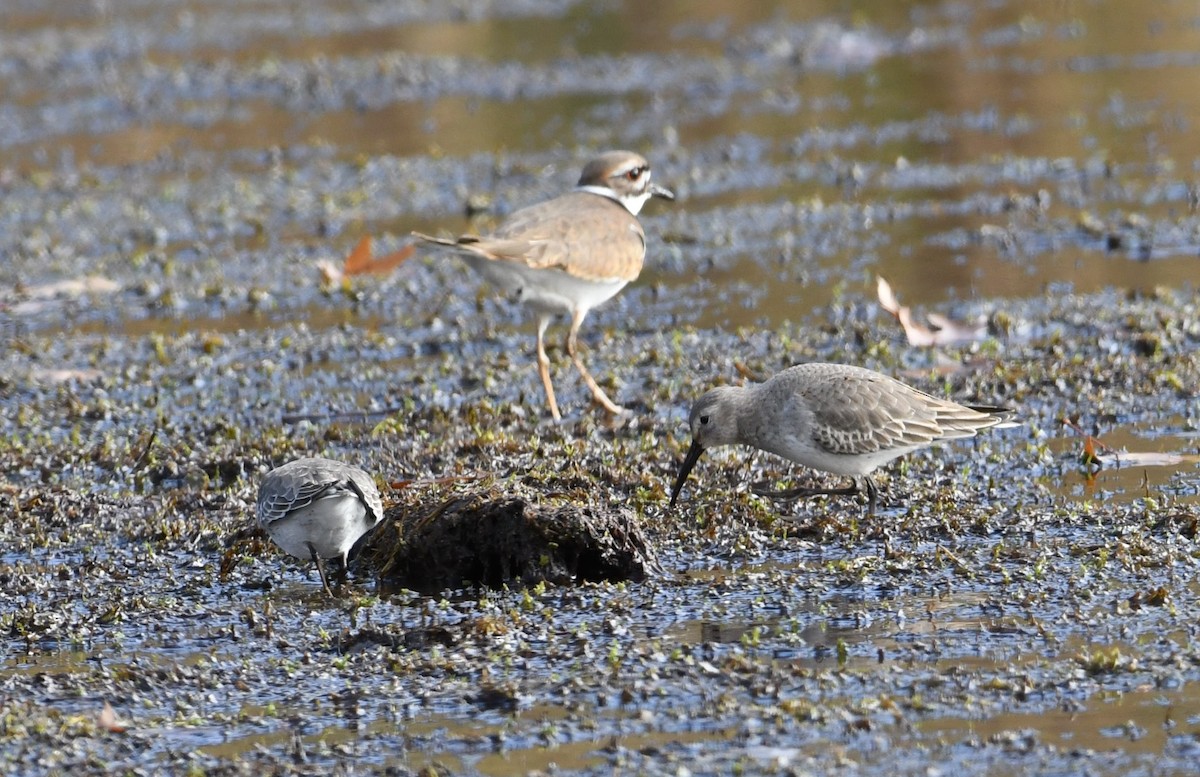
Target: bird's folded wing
{"type": "Point", "coordinates": [857, 419]}
{"type": "Point", "coordinates": [296, 495]}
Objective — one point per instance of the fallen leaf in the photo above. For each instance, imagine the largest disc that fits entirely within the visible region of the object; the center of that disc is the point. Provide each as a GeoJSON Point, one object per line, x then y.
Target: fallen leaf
{"type": "Point", "coordinates": [1154, 597]}
{"type": "Point", "coordinates": [958, 331]}
{"type": "Point", "coordinates": [360, 261]}
{"type": "Point", "coordinates": [107, 721]}
{"type": "Point", "coordinates": [1143, 459]}
{"type": "Point", "coordinates": [65, 375]}
{"type": "Point", "coordinates": [228, 562]}
{"type": "Point", "coordinates": [887, 297]}
{"type": "Point", "coordinates": [72, 287]}
{"type": "Point", "coordinates": [331, 274]}
{"type": "Point", "coordinates": [360, 257]}
{"type": "Point", "coordinates": [945, 331]}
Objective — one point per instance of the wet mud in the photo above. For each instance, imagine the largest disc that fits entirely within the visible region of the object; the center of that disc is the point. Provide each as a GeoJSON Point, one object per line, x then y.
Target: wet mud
{"type": "Point", "coordinates": [501, 539]}
{"type": "Point", "coordinates": [173, 174]}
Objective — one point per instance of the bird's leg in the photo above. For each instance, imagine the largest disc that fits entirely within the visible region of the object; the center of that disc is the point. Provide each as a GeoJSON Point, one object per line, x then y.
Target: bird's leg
{"type": "Point", "coordinates": [872, 494]}
{"type": "Point", "coordinates": [543, 362]}
{"type": "Point", "coordinates": [320, 569]}
{"type": "Point", "coordinates": [849, 491]}
{"type": "Point", "coordinates": [572, 349]}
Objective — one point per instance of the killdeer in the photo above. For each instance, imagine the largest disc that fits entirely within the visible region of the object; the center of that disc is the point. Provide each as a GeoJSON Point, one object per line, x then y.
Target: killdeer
{"type": "Point", "coordinates": [570, 253]}
{"type": "Point", "coordinates": [833, 418]}
{"type": "Point", "coordinates": [318, 508]}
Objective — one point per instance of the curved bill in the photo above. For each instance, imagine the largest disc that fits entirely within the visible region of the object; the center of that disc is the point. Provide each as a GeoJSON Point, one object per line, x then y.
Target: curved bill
{"type": "Point", "coordinates": [659, 191]}
{"type": "Point", "coordinates": [689, 461]}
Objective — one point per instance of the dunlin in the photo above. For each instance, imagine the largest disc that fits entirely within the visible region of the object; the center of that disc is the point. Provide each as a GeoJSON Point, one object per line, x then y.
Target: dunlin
{"type": "Point", "coordinates": [318, 508]}
{"type": "Point", "coordinates": [834, 418]}
{"type": "Point", "coordinates": [570, 253]}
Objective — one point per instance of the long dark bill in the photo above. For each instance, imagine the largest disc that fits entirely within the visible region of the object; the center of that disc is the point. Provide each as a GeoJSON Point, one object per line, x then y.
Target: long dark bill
{"type": "Point", "coordinates": [693, 455]}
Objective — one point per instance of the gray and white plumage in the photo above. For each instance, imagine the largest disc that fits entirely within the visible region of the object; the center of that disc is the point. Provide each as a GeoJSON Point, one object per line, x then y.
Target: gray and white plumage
{"type": "Point", "coordinates": [570, 253]}
{"type": "Point", "coordinates": [835, 418]}
{"type": "Point", "coordinates": [318, 508]}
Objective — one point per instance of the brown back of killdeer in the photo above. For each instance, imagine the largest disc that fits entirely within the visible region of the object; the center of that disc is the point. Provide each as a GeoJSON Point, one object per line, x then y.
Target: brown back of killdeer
{"type": "Point", "coordinates": [569, 254]}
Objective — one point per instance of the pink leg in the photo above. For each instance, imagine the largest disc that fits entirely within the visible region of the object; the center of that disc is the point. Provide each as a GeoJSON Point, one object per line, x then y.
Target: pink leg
{"type": "Point", "coordinates": [543, 362]}
{"type": "Point", "coordinates": [597, 392]}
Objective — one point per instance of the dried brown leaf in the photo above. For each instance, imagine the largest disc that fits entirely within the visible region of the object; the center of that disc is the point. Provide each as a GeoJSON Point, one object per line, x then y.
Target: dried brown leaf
{"type": "Point", "coordinates": [887, 297]}
{"type": "Point", "coordinates": [72, 287]}
{"type": "Point", "coordinates": [65, 375]}
{"type": "Point", "coordinates": [359, 258]}
{"type": "Point", "coordinates": [107, 721]}
{"type": "Point", "coordinates": [331, 274]}
{"type": "Point", "coordinates": [945, 331]}
{"type": "Point", "coordinates": [360, 261]}
{"type": "Point", "coordinates": [1143, 458]}
{"type": "Point", "coordinates": [951, 331]}
{"type": "Point", "coordinates": [919, 336]}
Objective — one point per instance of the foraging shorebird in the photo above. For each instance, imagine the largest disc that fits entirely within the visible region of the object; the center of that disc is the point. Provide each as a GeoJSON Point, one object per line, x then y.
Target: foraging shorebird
{"type": "Point", "coordinates": [318, 508]}
{"type": "Point", "coordinates": [833, 418]}
{"type": "Point", "coordinates": [570, 253]}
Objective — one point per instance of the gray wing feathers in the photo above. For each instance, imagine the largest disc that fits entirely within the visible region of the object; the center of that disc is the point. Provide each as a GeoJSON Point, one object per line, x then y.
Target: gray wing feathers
{"type": "Point", "coordinates": [862, 413]}
{"type": "Point", "coordinates": [302, 482]}
{"type": "Point", "coordinates": [368, 494]}
{"type": "Point", "coordinates": [291, 492]}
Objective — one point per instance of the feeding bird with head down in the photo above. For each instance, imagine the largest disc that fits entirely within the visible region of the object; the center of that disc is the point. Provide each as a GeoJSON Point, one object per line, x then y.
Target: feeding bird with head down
{"type": "Point", "coordinates": [834, 418]}
{"type": "Point", "coordinates": [318, 508]}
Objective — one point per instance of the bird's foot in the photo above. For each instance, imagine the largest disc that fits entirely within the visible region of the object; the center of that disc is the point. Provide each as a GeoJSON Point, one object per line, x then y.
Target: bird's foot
{"type": "Point", "coordinates": [600, 398]}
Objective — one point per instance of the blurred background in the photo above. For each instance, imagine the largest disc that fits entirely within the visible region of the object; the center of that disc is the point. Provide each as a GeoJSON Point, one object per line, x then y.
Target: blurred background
{"type": "Point", "coordinates": [962, 150]}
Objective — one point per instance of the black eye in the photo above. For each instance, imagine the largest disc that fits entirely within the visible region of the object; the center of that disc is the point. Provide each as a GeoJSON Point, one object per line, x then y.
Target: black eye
{"type": "Point", "coordinates": [704, 420]}
{"type": "Point", "coordinates": [635, 173]}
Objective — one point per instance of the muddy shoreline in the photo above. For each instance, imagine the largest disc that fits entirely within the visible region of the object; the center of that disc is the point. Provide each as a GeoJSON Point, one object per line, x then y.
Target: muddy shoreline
{"type": "Point", "coordinates": [167, 336]}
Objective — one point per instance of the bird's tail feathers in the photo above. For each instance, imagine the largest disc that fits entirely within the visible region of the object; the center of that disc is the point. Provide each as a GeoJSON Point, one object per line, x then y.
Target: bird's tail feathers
{"type": "Point", "coordinates": [431, 239]}
{"type": "Point", "coordinates": [1005, 415]}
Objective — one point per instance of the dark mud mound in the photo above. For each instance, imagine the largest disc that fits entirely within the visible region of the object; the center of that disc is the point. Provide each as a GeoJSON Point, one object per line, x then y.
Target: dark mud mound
{"type": "Point", "coordinates": [492, 540]}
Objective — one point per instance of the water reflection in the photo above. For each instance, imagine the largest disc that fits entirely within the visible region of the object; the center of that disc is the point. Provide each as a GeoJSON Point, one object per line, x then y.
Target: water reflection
{"type": "Point", "coordinates": [1163, 479]}
{"type": "Point", "coordinates": [977, 100]}
{"type": "Point", "coordinates": [1144, 720]}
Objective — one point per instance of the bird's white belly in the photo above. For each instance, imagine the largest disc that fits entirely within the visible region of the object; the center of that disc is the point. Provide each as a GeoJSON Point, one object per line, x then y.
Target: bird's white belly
{"type": "Point", "coordinates": [546, 290]}
{"type": "Point", "coordinates": [332, 524]}
{"type": "Point", "coordinates": [812, 456]}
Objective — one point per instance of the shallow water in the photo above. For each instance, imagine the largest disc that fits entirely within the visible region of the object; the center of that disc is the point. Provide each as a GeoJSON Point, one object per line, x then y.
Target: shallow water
{"type": "Point", "coordinates": [1008, 611]}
